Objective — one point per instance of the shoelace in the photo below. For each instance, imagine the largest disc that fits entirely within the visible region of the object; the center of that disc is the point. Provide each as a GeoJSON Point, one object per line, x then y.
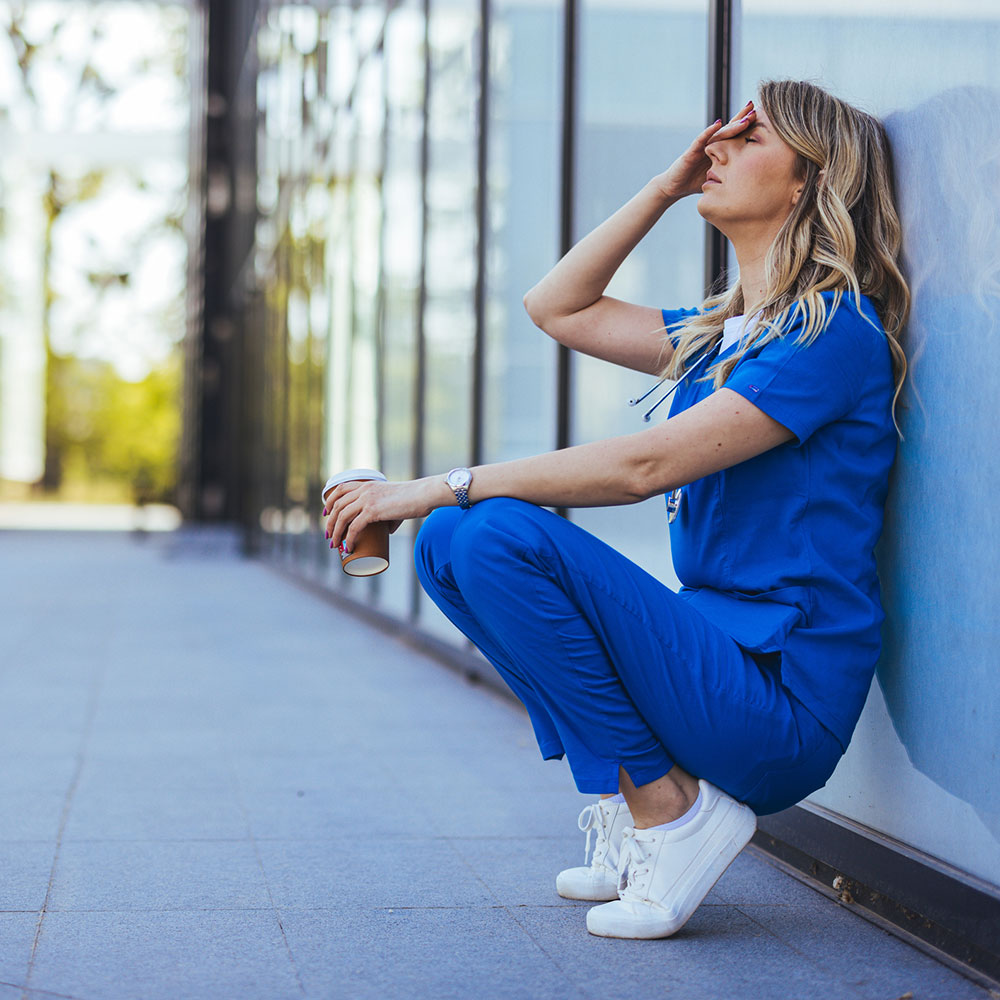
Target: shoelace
{"type": "Point", "coordinates": [631, 859]}
{"type": "Point", "coordinates": [592, 818]}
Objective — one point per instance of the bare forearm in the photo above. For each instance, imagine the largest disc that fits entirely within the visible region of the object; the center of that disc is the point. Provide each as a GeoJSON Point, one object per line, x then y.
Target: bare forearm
{"type": "Point", "coordinates": [581, 277]}
{"type": "Point", "coordinates": [722, 430]}
{"type": "Point", "coordinates": [718, 432]}
{"type": "Point", "coordinates": [598, 474]}
{"type": "Point", "coordinates": [601, 474]}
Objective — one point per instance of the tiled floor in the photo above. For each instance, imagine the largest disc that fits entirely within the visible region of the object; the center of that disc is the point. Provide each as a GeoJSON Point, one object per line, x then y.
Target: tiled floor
{"type": "Point", "coordinates": [217, 786]}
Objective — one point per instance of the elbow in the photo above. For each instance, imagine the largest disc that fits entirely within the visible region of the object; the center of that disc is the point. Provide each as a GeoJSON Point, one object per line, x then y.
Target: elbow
{"type": "Point", "coordinates": [533, 307]}
{"type": "Point", "coordinates": [544, 318]}
{"type": "Point", "coordinates": [636, 486]}
{"type": "Point", "coordinates": [645, 478]}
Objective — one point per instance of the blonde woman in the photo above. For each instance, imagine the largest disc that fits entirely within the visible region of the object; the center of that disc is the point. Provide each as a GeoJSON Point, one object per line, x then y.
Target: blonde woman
{"type": "Point", "coordinates": [690, 713]}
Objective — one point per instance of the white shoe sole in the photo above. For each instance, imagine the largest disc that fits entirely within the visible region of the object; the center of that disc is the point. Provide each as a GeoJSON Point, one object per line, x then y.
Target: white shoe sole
{"type": "Point", "coordinates": [588, 885]}
{"type": "Point", "coordinates": [626, 919]}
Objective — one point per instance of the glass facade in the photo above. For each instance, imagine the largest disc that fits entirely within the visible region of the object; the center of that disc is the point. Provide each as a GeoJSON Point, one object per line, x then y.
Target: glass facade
{"type": "Point", "coordinates": [413, 166]}
{"type": "Point", "coordinates": [422, 163]}
{"type": "Point", "coordinates": [522, 232]}
{"type": "Point", "coordinates": [632, 124]}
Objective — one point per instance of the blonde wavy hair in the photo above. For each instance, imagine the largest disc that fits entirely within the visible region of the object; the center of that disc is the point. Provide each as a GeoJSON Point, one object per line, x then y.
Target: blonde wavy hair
{"type": "Point", "coordinates": [843, 235]}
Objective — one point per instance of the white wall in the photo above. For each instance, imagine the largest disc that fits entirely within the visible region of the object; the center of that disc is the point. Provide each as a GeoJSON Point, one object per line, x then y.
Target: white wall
{"type": "Point", "coordinates": [924, 765]}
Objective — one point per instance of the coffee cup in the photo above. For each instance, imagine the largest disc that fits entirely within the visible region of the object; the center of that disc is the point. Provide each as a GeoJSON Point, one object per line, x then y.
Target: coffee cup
{"type": "Point", "coordinates": [370, 554]}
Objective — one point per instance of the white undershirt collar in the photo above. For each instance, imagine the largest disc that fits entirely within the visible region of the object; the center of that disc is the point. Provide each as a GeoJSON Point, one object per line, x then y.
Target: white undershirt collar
{"type": "Point", "coordinates": [733, 330]}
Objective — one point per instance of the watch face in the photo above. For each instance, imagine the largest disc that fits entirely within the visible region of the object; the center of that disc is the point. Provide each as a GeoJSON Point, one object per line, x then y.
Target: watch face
{"type": "Point", "coordinates": [459, 477]}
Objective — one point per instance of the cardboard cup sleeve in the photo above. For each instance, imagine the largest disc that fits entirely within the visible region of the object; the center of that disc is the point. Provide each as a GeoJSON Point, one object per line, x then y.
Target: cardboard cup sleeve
{"type": "Point", "coordinates": [371, 548]}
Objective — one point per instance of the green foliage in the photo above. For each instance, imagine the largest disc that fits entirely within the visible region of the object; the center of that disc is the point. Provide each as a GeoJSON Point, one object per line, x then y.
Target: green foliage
{"type": "Point", "coordinates": [105, 438]}
{"type": "Point", "coordinates": [112, 435]}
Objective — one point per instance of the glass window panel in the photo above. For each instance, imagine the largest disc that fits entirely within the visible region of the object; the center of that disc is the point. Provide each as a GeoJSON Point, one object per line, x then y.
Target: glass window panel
{"type": "Point", "coordinates": [366, 223]}
{"type": "Point", "coordinates": [449, 315]}
{"type": "Point", "coordinates": [526, 46]}
{"type": "Point", "coordinates": [401, 246]}
{"type": "Point", "coordinates": [641, 100]}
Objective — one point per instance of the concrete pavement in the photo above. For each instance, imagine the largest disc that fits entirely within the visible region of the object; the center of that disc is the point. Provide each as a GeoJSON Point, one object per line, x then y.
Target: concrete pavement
{"type": "Point", "coordinates": [216, 786]}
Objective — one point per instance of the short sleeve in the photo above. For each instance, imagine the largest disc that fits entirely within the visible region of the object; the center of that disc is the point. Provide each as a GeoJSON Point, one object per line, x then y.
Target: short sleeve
{"type": "Point", "coordinates": [805, 387]}
{"type": "Point", "coordinates": [671, 317]}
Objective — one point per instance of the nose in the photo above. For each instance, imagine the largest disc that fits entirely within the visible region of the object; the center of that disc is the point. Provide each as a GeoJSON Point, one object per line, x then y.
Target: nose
{"type": "Point", "coordinates": [716, 151]}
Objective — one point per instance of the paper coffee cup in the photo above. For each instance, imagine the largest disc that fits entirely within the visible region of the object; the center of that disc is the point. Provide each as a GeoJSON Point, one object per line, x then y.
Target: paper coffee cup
{"type": "Point", "coordinates": [370, 554]}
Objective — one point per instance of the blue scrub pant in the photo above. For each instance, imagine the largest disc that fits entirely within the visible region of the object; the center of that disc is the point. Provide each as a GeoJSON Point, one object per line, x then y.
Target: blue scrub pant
{"type": "Point", "coordinates": [614, 668]}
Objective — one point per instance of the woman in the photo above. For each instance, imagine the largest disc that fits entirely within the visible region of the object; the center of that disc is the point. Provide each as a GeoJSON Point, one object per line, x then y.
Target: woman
{"type": "Point", "coordinates": [688, 713]}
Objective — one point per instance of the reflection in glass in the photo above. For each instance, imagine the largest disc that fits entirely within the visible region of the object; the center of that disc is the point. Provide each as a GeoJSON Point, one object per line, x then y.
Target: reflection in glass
{"type": "Point", "coordinates": [450, 263]}
{"type": "Point", "coordinates": [402, 194]}
{"type": "Point", "coordinates": [522, 240]}
{"type": "Point", "coordinates": [449, 319]}
{"type": "Point", "coordinates": [642, 98]}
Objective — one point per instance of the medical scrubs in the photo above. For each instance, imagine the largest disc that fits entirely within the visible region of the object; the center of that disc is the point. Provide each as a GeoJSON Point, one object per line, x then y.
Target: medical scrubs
{"type": "Point", "coordinates": [753, 676]}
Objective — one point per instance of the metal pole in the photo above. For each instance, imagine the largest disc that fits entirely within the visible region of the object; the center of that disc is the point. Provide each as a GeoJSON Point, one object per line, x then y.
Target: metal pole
{"type": "Point", "coordinates": [567, 209]}
{"type": "Point", "coordinates": [720, 26]}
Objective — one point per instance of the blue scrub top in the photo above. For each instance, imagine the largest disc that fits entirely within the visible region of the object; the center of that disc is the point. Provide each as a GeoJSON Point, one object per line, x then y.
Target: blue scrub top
{"type": "Point", "coordinates": [779, 550]}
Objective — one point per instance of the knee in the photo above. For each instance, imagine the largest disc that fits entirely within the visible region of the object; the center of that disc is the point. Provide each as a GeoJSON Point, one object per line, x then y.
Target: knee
{"type": "Point", "coordinates": [432, 547]}
{"type": "Point", "coordinates": [494, 531]}
{"type": "Point", "coordinates": [489, 533]}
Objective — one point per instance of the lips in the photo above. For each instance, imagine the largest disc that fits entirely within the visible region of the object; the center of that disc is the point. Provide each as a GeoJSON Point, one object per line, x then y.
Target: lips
{"type": "Point", "coordinates": [710, 178]}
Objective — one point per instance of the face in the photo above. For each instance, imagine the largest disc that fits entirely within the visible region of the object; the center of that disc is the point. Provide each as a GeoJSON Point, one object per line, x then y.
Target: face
{"type": "Point", "coordinates": [752, 184]}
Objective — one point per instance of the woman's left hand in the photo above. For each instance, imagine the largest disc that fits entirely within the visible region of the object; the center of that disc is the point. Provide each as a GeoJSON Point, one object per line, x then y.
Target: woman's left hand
{"type": "Point", "coordinates": [351, 507]}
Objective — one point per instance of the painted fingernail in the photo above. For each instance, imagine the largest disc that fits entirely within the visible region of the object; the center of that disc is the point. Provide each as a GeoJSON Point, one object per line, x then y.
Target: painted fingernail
{"type": "Point", "coordinates": [325, 512]}
{"type": "Point", "coordinates": [718, 121]}
{"type": "Point", "coordinates": [327, 533]}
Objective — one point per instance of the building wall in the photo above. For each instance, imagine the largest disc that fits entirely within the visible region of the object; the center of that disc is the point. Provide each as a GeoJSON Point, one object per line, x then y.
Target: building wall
{"type": "Point", "coordinates": [923, 766]}
{"type": "Point", "coordinates": [395, 240]}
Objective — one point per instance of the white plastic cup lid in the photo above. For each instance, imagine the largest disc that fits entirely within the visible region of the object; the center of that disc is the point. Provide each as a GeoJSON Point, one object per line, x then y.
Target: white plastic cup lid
{"type": "Point", "coordinates": [352, 476]}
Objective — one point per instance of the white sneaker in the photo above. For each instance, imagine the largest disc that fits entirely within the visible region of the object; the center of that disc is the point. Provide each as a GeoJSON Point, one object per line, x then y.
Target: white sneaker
{"type": "Point", "coordinates": [671, 871]}
{"type": "Point", "coordinates": [598, 880]}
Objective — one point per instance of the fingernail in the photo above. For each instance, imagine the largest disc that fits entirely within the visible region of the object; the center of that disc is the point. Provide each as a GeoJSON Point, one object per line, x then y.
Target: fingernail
{"type": "Point", "coordinates": [745, 118]}
{"type": "Point", "coordinates": [325, 512]}
{"type": "Point", "coordinates": [327, 533]}
{"type": "Point", "coordinates": [718, 121]}
{"type": "Point", "coordinates": [331, 545]}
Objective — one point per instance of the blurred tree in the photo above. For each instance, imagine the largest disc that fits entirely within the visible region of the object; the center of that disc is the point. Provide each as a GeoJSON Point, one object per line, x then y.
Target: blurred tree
{"type": "Point", "coordinates": [117, 437]}
{"type": "Point", "coordinates": [118, 434]}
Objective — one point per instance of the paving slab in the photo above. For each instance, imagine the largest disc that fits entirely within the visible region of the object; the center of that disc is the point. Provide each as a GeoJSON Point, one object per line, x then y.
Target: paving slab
{"type": "Point", "coordinates": [26, 868]}
{"type": "Point", "coordinates": [186, 955]}
{"type": "Point", "coordinates": [423, 873]}
{"type": "Point", "coordinates": [446, 954]}
{"type": "Point", "coordinates": [219, 785]}
{"type": "Point", "coordinates": [31, 814]}
{"type": "Point", "coordinates": [158, 875]}
{"type": "Point", "coordinates": [17, 933]}
{"type": "Point", "coordinates": [872, 961]}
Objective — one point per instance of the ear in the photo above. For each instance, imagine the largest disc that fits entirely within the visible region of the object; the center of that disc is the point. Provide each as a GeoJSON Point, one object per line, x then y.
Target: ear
{"type": "Point", "coordinates": [797, 193]}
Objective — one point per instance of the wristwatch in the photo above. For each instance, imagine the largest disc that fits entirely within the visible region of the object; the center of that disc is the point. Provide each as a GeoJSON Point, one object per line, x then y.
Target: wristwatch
{"type": "Point", "coordinates": [460, 480]}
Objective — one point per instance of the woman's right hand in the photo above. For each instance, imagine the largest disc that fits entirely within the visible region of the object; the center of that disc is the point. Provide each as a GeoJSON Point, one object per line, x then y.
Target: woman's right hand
{"type": "Point", "coordinates": [686, 174]}
{"type": "Point", "coordinates": [570, 303]}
